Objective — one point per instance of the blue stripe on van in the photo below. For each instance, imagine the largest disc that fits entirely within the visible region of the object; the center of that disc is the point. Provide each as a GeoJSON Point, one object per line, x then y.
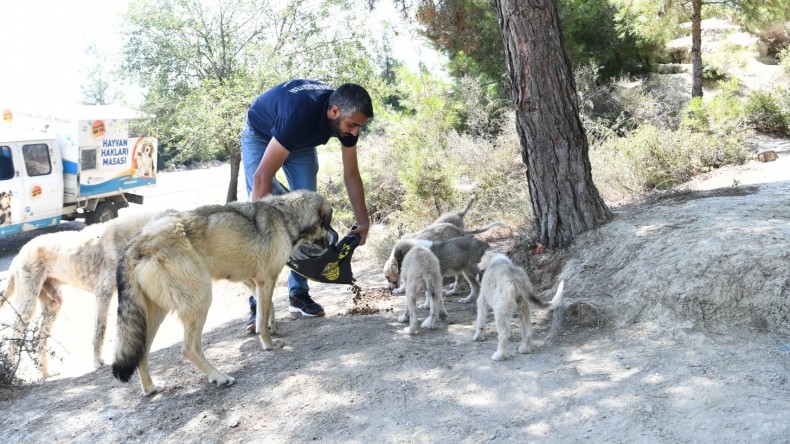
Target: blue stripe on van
{"type": "Point", "coordinates": [70, 167]}
{"type": "Point", "coordinates": [119, 183]}
{"type": "Point", "coordinates": [6, 230]}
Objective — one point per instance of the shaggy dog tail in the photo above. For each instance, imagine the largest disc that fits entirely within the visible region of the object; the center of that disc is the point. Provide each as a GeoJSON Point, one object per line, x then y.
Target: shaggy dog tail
{"type": "Point", "coordinates": [132, 322]}
{"type": "Point", "coordinates": [9, 289]}
{"type": "Point", "coordinates": [555, 302]}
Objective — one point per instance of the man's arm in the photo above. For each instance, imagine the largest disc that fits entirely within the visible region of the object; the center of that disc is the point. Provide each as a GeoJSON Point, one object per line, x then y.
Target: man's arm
{"type": "Point", "coordinates": [272, 160]}
{"type": "Point", "coordinates": [356, 192]}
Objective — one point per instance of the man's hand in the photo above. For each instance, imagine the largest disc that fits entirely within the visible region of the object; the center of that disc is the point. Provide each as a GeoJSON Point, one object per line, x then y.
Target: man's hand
{"type": "Point", "coordinates": [361, 230]}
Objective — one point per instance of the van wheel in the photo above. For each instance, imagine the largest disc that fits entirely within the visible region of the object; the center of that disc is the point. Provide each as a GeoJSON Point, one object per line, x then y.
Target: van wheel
{"type": "Point", "coordinates": [104, 212]}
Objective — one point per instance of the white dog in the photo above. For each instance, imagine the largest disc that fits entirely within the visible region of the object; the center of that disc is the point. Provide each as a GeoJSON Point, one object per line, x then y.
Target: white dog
{"type": "Point", "coordinates": [85, 259]}
{"type": "Point", "coordinates": [506, 288]}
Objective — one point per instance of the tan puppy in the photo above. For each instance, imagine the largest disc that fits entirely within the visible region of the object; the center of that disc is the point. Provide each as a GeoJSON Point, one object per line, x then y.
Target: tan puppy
{"type": "Point", "coordinates": [456, 256]}
{"type": "Point", "coordinates": [435, 232]}
{"type": "Point", "coordinates": [506, 288]}
{"type": "Point", "coordinates": [456, 217]}
{"type": "Point", "coordinates": [420, 274]}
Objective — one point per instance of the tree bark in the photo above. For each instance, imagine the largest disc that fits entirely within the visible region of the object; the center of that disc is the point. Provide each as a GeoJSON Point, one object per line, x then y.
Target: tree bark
{"type": "Point", "coordinates": [696, 48]}
{"type": "Point", "coordinates": [233, 186]}
{"type": "Point", "coordinates": [554, 146]}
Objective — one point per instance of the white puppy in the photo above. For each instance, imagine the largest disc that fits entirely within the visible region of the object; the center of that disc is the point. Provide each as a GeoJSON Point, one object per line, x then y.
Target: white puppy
{"type": "Point", "coordinates": [506, 288]}
{"type": "Point", "coordinates": [421, 275]}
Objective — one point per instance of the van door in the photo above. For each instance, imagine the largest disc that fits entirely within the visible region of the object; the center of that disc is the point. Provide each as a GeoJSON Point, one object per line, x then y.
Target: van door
{"type": "Point", "coordinates": [11, 195]}
{"type": "Point", "coordinates": [42, 183]}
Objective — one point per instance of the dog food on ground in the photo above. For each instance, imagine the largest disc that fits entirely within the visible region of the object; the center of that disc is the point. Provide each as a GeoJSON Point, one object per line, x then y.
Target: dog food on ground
{"type": "Point", "coordinates": [365, 303]}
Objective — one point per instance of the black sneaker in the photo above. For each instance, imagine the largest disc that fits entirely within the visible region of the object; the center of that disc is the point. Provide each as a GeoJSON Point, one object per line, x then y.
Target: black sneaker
{"type": "Point", "coordinates": [302, 303]}
{"type": "Point", "coordinates": [251, 322]}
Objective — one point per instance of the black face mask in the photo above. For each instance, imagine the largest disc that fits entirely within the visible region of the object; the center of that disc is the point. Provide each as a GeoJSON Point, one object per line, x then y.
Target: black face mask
{"type": "Point", "coordinates": [349, 140]}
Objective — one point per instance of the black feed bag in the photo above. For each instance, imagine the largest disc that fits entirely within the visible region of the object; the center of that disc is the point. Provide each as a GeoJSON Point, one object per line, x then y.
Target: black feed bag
{"type": "Point", "coordinates": [332, 266]}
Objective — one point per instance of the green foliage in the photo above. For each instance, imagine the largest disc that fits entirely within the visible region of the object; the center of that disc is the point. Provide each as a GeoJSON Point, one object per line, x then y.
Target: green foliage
{"type": "Point", "coordinates": [592, 35]}
{"type": "Point", "coordinates": [650, 158]}
{"type": "Point", "coordinates": [416, 166]}
{"type": "Point", "coordinates": [784, 60]}
{"type": "Point", "coordinates": [417, 144]}
{"type": "Point", "coordinates": [755, 14]}
{"type": "Point", "coordinates": [723, 113]}
{"type": "Point", "coordinates": [637, 144]}
{"type": "Point", "coordinates": [765, 113]}
{"type": "Point", "coordinates": [468, 31]}
{"type": "Point", "coordinates": [650, 22]}
{"type": "Point", "coordinates": [203, 63]}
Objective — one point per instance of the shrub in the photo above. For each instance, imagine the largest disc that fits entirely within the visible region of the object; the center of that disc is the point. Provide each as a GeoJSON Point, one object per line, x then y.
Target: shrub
{"type": "Point", "coordinates": [764, 112]}
{"type": "Point", "coordinates": [721, 114]}
{"type": "Point", "coordinates": [27, 346]}
{"type": "Point", "coordinates": [784, 60]}
{"type": "Point", "coordinates": [651, 158]}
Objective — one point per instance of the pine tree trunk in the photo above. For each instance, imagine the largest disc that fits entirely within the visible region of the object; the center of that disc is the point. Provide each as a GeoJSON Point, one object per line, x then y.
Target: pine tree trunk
{"type": "Point", "coordinates": [696, 48]}
{"type": "Point", "coordinates": [554, 145]}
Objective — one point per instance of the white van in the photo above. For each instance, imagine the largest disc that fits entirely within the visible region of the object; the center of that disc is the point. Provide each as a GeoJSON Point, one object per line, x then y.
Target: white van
{"type": "Point", "coordinates": [72, 167]}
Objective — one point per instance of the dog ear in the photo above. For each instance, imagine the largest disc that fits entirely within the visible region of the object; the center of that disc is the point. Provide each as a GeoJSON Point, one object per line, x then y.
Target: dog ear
{"type": "Point", "coordinates": [399, 255]}
{"type": "Point", "coordinates": [324, 212]}
{"type": "Point", "coordinates": [325, 215]}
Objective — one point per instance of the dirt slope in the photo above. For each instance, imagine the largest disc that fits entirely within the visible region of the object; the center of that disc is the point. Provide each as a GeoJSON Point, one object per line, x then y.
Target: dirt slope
{"type": "Point", "coordinates": [676, 331]}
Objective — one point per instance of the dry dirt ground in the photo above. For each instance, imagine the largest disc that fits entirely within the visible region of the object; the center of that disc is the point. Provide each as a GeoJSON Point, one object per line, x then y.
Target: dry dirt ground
{"type": "Point", "coordinates": [676, 329]}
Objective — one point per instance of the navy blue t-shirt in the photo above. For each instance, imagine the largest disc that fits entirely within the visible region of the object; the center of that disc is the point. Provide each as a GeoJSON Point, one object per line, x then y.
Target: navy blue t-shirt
{"type": "Point", "coordinates": [294, 113]}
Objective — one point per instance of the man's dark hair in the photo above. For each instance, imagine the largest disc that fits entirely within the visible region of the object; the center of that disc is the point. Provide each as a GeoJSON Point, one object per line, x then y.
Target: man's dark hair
{"type": "Point", "coordinates": [352, 99]}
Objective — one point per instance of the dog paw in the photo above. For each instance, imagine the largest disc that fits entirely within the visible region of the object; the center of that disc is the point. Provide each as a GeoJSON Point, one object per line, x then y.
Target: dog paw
{"type": "Point", "coordinates": [524, 350]}
{"type": "Point", "coordinates": [274, 344]}
{"type": "Point", "coordinates": [222, 380]}
{"type": "Point", "coordinates": [499, 356]}
{"type": "Point", "coordinates": [399, 291]}
{"type": "Point", "coordinates": [451, 292]}
{"type": "Point", "coordinates": [478, 337]}
{"type": "Point", "coordinates": [154, 389]}
{"type": "Point", "coordinates": [48, 374]}
{"type": "Point", "coordinates": [467, 299]}
{"type": "Point", "coordinates": [403, 318]}
{"type": "Point", "coordinates": [424, 306]}
{"type": "Point", "coordinates": [409, 331]}
{"type": "Point", "coordinates": [98, 363]}
{"type": "Point", "coordinates": [429, 323]}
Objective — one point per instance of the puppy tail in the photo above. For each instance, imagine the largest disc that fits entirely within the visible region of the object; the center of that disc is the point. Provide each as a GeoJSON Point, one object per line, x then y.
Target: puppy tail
{"type": "Point", "coordinates": [132, 322]}
{"type": "Point", "coordinates": [555, 302]}
{"type": "Point", "coordinates": [486, 228]}
{"type": "Point", "coordinates": [469, 206]}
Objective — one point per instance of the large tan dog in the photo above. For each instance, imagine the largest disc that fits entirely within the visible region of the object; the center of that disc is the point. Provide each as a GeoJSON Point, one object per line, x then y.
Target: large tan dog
{"type": "Point", "coordinates": [85, 259]}
{"type": "Point", "coordinates": [170, 267]}
{"type": "Point", "coordinates": [506, 288]}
